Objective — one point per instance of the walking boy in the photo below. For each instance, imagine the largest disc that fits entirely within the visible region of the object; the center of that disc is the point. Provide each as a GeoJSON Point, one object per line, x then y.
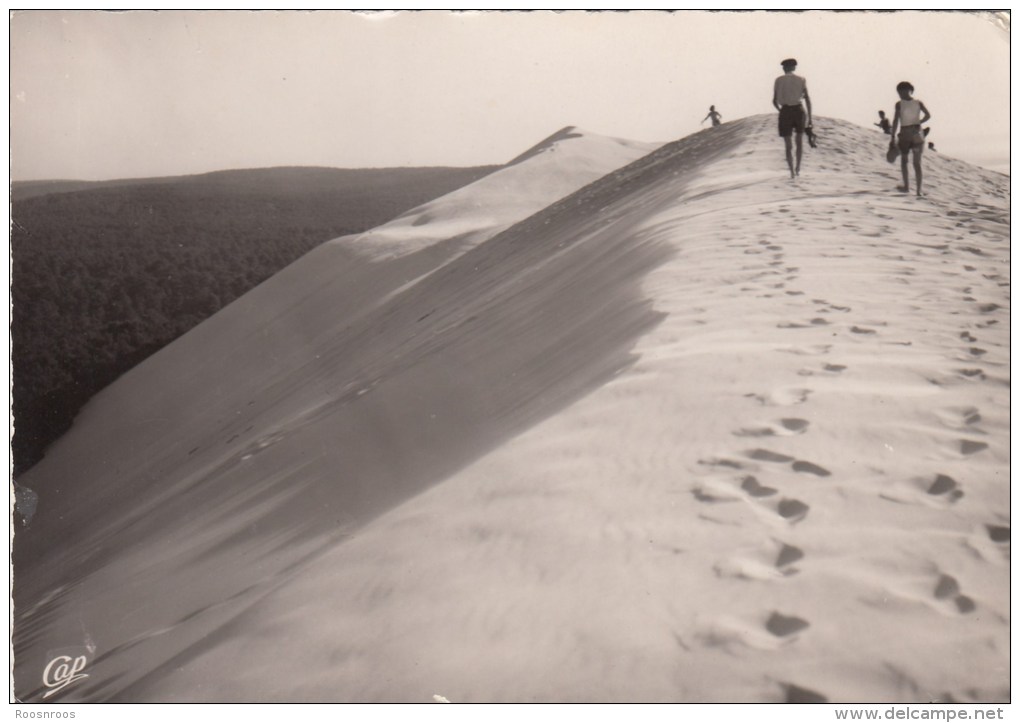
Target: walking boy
{"type": "Point", "coordinates": [786, 96]}
{"type": "Point", "coordinates": [910, 114]}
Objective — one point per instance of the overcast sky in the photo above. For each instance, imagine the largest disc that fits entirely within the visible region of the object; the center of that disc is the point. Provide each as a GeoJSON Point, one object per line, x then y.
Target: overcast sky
{"type": "Point", "coordinates": [99, 95]}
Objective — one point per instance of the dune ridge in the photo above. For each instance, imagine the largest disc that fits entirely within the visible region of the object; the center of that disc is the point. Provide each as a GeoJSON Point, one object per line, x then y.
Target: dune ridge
{"type": "Point", "coordinates": [728, 437]}
{"type": "Point", "coordinates": [553, 168]}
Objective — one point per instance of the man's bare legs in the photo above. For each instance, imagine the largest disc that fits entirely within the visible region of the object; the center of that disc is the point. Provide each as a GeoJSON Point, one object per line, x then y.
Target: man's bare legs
{"type": "Point", "coordinates": [789, 155]}
{"type": "Point", "coordinates": [905, 169]}
{"type": "Point", "coordinates": [794, 170]}
{"type": "Point", "coordinates": [917, 168]}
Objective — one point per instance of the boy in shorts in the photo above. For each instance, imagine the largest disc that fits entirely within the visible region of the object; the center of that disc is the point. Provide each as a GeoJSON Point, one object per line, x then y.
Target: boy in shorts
{"type": "Point", "coordinates": [786, 96]}
{"type": "Point", "coordinates": [910, 115]}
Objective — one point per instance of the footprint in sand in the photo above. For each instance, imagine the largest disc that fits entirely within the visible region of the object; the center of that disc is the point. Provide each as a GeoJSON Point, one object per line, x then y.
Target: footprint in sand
{"type": "Point", "coordinates": [796, 694]}
{"type": "Point", "coordinates": [802, 325]}
{"type": "Point", "coordinates": [959, 417]}
{"type": "Point", "coordinates": [795, 425]}
{"type": "Point", "coordinates": [723, 488]}
{"type": "Point", "coordinates": [788, 554]}
{"type": "Point", "coordinates": [791, 510]}
{"type": "Point", "coordinates": [721, 462]}
{"type": "Point", "coordinates": [977, 374]}
{"type": "Point", "coordinates": [828, 369]}
{"type": "Point", "coordinates": [784, 427]}
{"type": "Point", "coordinates": [969, 447]}
{"type": "Point", "coordinates": [764, 455]}
{"type": "Point", "coordinates": [862, 330]}
{"type": "Point", "coordinates": [782, 397]}
{"type": "Point", "coordinates": [830, 305]}
{"type": "Point", "coordinates": [947, 588]}
{"type": "Point", "coordinates": [716, 491]}
{"type": "Point", "coordinates": [753, 487]}
{"type": "Point", "coordinates": [945, 485]}
{"type": "Point", "coordinates": [942, 490]}
{"type": "Point", "coordinates": [810, 468]}
{"type": "Point", "coordinates": [769, 564]}
{"type": "Point", "coordinates": [998, 533]}
{"type": "Point", "coordinates": [810, 350]}
{"type": "Point", "coordinates": [755, 432]}
{"type": "Point", "coordinates": [732, 634]}
{"type": "Point", "coordinates": [783, 626]}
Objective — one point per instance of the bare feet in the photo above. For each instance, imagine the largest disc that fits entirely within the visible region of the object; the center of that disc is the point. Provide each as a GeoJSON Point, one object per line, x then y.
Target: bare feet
{"type": "Point", "coordinates": [902, 189]}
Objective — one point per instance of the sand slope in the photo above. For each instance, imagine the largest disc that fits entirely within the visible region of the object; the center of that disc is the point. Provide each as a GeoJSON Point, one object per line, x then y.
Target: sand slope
{"type": "Point", "coordinates": [702, 434]}
{"type": "Point", "coordinates": [556, 167]}
{"type": "Point", "coordinates": [298, 412]}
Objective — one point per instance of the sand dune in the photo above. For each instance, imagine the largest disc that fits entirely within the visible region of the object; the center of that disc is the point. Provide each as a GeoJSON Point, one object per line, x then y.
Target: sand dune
{"type": "Point", "coordinates": [696, 432]}
{"type": "Point", "coordinates": [559, 165]}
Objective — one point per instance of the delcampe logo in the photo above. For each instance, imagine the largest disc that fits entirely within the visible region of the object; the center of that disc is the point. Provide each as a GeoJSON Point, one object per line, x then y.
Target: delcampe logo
{"type": "Point", "coordinates": [63, 670]}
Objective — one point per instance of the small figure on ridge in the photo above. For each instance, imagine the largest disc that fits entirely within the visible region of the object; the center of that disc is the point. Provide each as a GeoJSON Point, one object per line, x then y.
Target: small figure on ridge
{"type": "Point", "coordinates": [714, 115]}
{"type": "Point", "coordinates": [883, 123]}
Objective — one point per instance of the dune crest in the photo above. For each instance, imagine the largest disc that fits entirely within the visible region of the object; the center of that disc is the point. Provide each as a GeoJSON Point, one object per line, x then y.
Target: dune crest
{"type": "Point", "coordinates": [695, 432]}
{"type": "Point", "coordinates": [554, 168]}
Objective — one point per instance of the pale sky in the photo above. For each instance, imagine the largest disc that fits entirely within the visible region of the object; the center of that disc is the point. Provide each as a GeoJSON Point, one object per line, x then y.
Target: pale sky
{"type": "Point", "coordinates": [100, 95]}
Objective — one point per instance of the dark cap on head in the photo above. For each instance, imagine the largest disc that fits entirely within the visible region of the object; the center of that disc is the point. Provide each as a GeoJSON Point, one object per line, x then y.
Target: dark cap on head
{"type": "Point", "coordinates": [789, 62]}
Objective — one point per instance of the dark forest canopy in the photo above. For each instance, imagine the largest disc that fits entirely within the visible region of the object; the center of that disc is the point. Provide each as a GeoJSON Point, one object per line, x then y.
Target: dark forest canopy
{"type": "Point", "coordinates": [106, 273]}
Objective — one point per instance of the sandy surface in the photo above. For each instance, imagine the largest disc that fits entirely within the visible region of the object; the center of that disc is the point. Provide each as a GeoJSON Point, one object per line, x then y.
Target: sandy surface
{"type": "Point", "coordinates": [556, 167]}
{"type": "Point", "coordinates": [697, 432]}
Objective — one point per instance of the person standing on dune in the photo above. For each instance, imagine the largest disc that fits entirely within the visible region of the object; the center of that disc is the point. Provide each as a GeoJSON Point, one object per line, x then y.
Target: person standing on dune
{"type": "Point", "coordinates": [787, 93]}
{"type": "Point", "coordinates": [910, 115]}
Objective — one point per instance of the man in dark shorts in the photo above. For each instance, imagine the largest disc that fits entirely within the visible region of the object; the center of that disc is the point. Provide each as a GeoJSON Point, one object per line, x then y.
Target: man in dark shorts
{"type": "Point", "coordinates": [910, 115]}
{"type": "Point", "coordinates": [787, 93]}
